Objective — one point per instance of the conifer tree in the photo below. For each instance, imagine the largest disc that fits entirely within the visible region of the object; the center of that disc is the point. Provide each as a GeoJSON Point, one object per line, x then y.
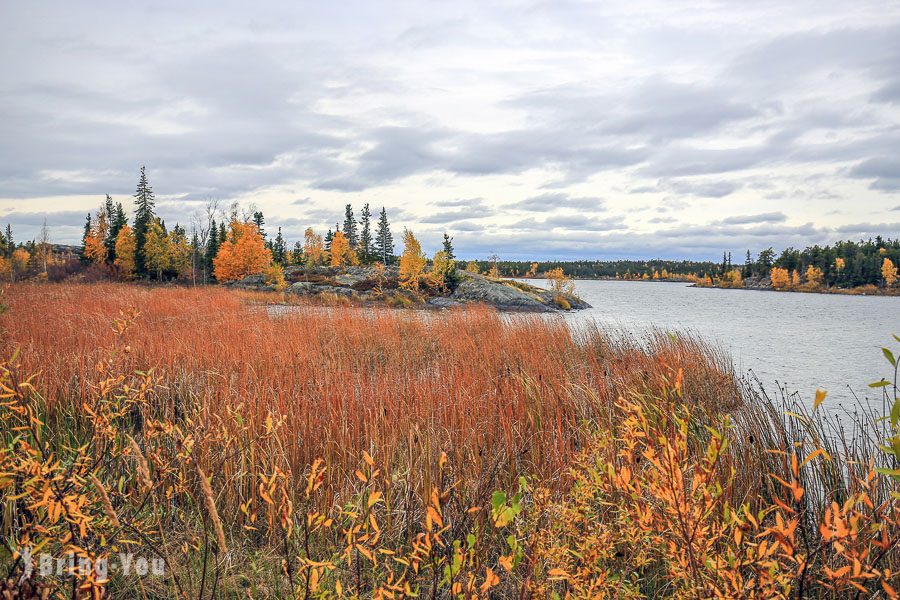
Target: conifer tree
{"type": "Point", "coordinates": [259, 220]}
{"type": "Point", "coordinates": [279, 249]}
{"type": "Point", "coordinates": [144, 216]}
{"type": "Point", "coordinates": [448, 247]}
{"type": "Point", "coordinates": [212, 249]}
{"type": "Point", "coordinates": [366, 249]}
{"type": "Point", "coordinates": [384, 241]}
{"type": "Point", "coordinates": [350, 231]}
{"type": "Point", "coordinates": [115, 214]}
{"type": "Point", "coordinates": [328, 238]}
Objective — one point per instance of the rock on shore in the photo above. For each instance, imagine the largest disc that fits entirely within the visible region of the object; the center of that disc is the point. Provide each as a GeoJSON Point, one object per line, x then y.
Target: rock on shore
{"type": "Point", "coordinates": [366, 284]}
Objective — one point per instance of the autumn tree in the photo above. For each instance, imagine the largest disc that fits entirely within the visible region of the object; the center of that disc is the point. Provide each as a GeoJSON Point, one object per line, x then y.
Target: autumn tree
{"type": "Point", "coordinates": [125, 247]}
{"type": "Point", "coordinates": [342, 253]}
{"type": "Point", "coordinates": [179, 251]}
{"type": "Point", "coordinates": [561, 286]}
{"type": "Point", "coordinates": [472, 267]}
{"type": "Point", "coordinates": [157, 251]}
{"type": "Point", "coordinates": [412, 261]}
{"type": "Point", "coordinates": [19, 262]}
{"type": "Point", "coordinates": [313, 248]}
{"type": "Point", "coordinates": [813, 277]}
{"type": "Point", "coordinates": [95, 249]}
{"type": "Point", "coordinates": [242, 253]}
{"type": "Point", "coordinates": [888, 272]}
{"type": "Point", "coordinates": [781, 279]}
{"type": "Point", "coordinates": [443, 269]}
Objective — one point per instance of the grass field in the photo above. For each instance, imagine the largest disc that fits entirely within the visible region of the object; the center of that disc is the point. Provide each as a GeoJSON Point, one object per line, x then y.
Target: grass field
{"type": "Point", "coordinates": [385, 453]}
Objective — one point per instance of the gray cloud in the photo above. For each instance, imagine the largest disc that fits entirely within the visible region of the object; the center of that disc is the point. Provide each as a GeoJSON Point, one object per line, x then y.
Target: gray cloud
{"type": "Point", "coordinates": [565, 106]}
{"type": "Point", "coordinates": [773, 217]}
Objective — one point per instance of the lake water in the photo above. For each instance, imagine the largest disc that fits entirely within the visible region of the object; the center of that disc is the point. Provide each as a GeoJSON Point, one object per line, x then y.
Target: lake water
{"type": "Point", "coordinates": [798, 341]}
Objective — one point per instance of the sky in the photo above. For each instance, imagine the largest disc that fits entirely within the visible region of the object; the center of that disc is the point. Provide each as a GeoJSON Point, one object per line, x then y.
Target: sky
{"type": "Point", "coordinates": [530, 129]}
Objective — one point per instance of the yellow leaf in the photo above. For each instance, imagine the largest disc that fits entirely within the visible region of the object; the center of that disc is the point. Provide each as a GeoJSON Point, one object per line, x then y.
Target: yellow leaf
{"type": "Point", "coordinates": [820, 397]}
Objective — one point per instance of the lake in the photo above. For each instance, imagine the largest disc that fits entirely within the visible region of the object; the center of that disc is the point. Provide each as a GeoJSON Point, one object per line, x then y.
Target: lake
{"type": "Point", "coordinates": [798, 341]}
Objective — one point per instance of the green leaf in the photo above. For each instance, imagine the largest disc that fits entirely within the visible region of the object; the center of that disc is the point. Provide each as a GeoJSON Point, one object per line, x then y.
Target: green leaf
{"type": "Point", "coordinates": [895, 413]}
{"type": "Point", "coordinates": [498, 499]}
{"type": "Point", "coordinates": [890, 356]}
{"type": "Point", "coordinates": [880, 384]}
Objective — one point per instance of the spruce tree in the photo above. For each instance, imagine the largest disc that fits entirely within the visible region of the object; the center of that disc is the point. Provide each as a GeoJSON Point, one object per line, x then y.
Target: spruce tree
{"type": "Point", "coordinates": [212, 249]}
{"type": "Point", "coordinates": [448, 247]}
{"type": "Point", "coordinates": [143, 217]}
{"type": "Point", "coordinates": [297, 257]}
{"type": "Point", "coordinates": [260, 221]}
{"type": "Point", "coordinates": [366, 249]}
{"type": "Point", "coordinates": [328, 237]}
{"type": "Point", "coordinates": [279, 250]}
{"type": "Point", "coordinates": [88, 224]}
{"type": "Point", "coordinates": [10, 243]}
{"type": "Point", "coordinates": [384, 241]}
{"type": "Point", "coordinates": [349, 229]}
{"type": "Point", "coordinates": [117, 220]}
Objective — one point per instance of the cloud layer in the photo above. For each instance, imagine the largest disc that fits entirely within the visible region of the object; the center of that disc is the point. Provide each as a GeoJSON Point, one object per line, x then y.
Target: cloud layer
{"type": "Point", "coordinates": [527, 128]}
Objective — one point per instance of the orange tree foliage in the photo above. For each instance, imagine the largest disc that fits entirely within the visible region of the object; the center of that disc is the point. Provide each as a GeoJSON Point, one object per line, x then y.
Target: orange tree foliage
{"type": "Point", "coordinates": [313, 248]}
{"type": "Point", "coordinates": [814, 277]}
{"type": "Point", "coordinates": [781, 279]}
{"type": "Point", "coordinates": [125, 250]}
{"type": "Point", "coordinates": [889, 272]}
{"type": "Point", "coordinates": [243, 253]}
{"type": "Point", "coordinates": [342, 255]}
{"type": "Point", "coordinates": [412, 261]}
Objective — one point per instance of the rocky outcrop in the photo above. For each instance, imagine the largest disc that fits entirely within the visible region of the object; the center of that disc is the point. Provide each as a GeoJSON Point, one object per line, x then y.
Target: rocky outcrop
{"type": "Point", "coordinates": [368, 284]}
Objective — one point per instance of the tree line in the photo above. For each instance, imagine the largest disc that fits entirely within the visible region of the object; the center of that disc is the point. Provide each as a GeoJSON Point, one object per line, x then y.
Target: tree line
{"type": "Point", "coordinates": [228, 246]}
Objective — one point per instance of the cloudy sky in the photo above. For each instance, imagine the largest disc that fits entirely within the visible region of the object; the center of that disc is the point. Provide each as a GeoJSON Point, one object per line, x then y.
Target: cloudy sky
{"type": "Point", "coordinates": [533, 129]}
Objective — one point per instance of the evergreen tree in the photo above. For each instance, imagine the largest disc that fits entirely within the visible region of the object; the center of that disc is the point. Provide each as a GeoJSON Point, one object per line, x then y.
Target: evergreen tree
{"type": "Point", "coordinates": [747, 271]}
{"type": "Point", "coordinates": [297, 257]}
{"type": "Point", "coordinates": [212, 249]}
{"type": "Point", "coordinates": [724, 262]}
{"type": "Point", "coordinates": [260, 221]}
{"type": "Point", "coordinates": [10, 243]}
{"type": "Point", "coordinates": [88, 224]}
{"type": "Point", "coordinates": [223, 233]}
{"type": "Point", "coordinates": [143, 217]}
{"type": "Point", "coordinates": [117, 220]}
{"type": "Point", "coordinates": [328, 237]}
{"type": "Point", "coordinates": [448, 247]}
{"type": "Point", "coordinates": [279, 249]}
{"type": "Point", "coordinates": [349, 229]}
{"type": "Point", "coordinates": [366, 250]}
{"type": "Point", "coordinates": [384, 241]}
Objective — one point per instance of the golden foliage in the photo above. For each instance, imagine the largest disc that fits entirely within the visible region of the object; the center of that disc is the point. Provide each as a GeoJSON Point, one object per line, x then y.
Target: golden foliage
{"type": "Point", "coordinates": [472, 267]}
{"type": "Point", "coordinates": [888, 272]}
{"type": "Point", "coordinates": [342, 255]}
{"type": "Point", "coordinates": [781, 279]}
{"type": "Point", "coordinates": [313, 248]}
{"type": "Point", "coordinates": [125, 250]}
{"type": "Point", "coordinates": [243, 253]}
{"type": "Point", "coordinates": [412, 262]}
{"type": "Point", "coordinates": [814, 277]}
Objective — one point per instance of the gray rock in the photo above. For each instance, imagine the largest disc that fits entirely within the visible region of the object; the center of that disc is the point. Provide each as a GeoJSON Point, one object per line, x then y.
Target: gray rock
{"type": "Point", "coordinates": [477, 288]}
{"type": "Point", "coordinates": [442, 302]}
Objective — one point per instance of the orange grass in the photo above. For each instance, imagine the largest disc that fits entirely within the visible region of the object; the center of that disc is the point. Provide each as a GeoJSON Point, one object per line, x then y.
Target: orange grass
{"type": "Point", "coordinates": [502, 395]}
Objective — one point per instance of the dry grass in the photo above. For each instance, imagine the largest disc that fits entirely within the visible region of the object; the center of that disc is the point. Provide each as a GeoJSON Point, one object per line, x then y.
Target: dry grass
{"type": "Point", "coordinates": [499, 395]}
{"type": "Point", "coordinates": [326, 451]}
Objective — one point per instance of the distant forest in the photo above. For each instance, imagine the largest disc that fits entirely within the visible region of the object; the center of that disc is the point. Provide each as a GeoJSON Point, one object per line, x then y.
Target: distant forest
{"type": "Point", "coordinates": [843, 265]}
